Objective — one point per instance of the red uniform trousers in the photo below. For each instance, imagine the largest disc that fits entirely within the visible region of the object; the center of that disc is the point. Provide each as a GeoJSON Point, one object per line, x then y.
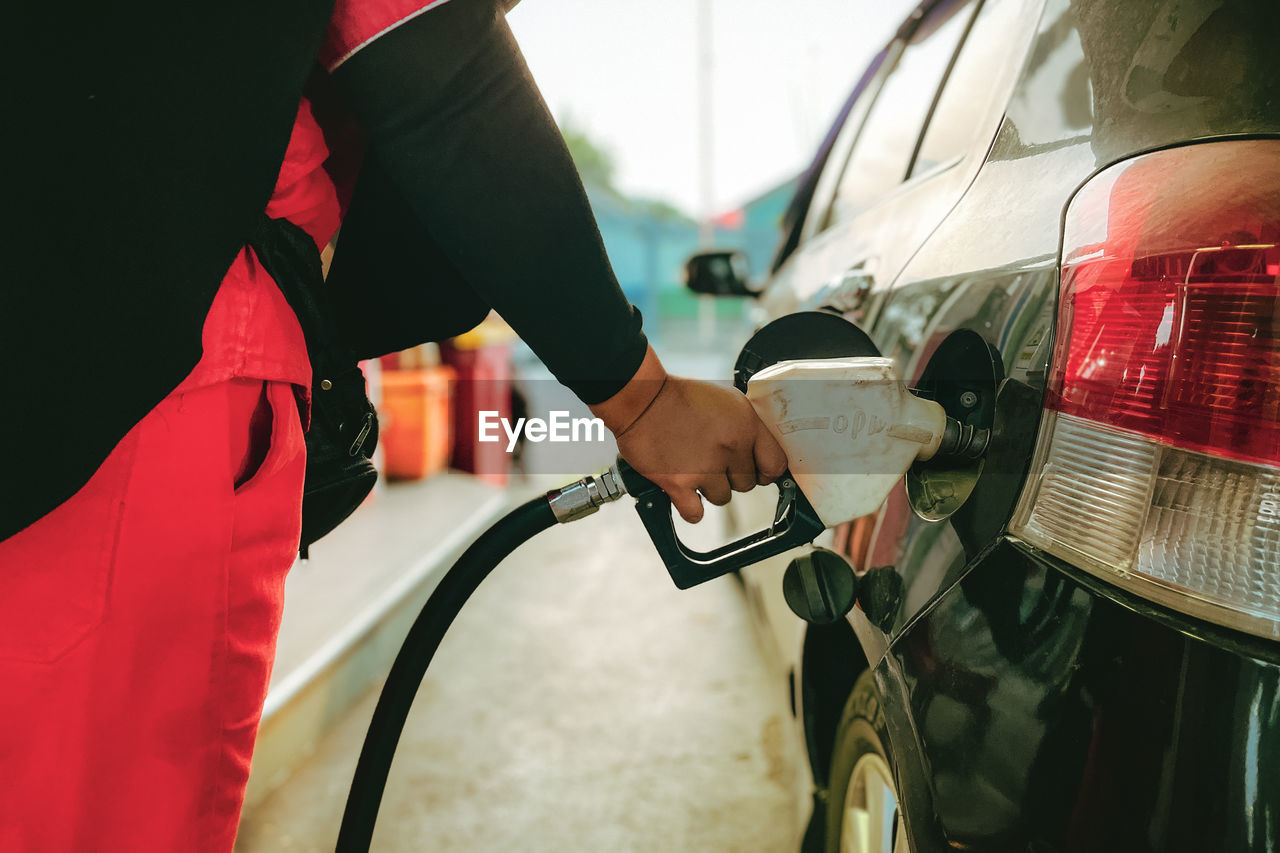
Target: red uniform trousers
{"type": "Point", "coordinates": [137, 629]}
{"type": "Point", "coordinates": [138, 620]}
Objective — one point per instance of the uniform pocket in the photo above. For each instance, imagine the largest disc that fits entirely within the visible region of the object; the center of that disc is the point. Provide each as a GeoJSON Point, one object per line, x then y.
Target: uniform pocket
{"type": "Point", "coordinates": [55, 575]}
{"type": "Point", "coordinates": [252, 422]}
{"type": "Point", "coordinates": [267, 433]}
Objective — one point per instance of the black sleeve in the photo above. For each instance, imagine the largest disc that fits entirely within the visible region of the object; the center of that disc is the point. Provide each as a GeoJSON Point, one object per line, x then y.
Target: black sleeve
{"type": "Point", "coordinates": [455, 121]}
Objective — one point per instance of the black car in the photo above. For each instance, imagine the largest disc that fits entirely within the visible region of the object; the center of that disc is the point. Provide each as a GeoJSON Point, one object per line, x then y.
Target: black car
{"type": "Point", "coordinates": [1061, 218]}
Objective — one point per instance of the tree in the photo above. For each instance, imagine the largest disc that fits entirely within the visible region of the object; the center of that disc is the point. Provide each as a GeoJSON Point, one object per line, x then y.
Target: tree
{"type": "Point", "coordinates": [598, 168]}
{"type": "Point", "coordinates": [595, 163]}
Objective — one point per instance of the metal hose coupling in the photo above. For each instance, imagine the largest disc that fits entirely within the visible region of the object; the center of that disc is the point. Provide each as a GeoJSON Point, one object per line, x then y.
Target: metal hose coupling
{"type": "Point", "coordinates": [580, 499]}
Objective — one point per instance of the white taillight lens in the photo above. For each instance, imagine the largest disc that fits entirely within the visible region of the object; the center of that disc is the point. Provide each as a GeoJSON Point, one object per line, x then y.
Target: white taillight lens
{"type": "Point", "coordinates": [1188, 530]}
{"type": "Point", "coordinates": [1214, 529]}
{"type": "Point", "coordinates": [1094, 491]}
{"type": "Point", "coordinates": [1158, 466]}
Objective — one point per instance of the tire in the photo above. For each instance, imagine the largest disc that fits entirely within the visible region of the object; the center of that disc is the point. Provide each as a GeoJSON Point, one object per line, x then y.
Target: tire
{"type": "Point", "coordinates": [861, 760]}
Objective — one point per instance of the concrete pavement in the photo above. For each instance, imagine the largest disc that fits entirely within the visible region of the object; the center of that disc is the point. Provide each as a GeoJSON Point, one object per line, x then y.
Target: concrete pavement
{"type": "Point", "coordinates": [581, 702]}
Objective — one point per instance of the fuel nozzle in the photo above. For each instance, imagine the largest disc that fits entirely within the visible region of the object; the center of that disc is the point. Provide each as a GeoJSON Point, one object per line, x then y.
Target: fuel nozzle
{"type": "Point", "coordinates": [851, 429]}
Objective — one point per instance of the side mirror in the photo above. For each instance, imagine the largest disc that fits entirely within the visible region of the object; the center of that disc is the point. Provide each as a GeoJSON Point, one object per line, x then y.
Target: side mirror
{"type": "Point", "coordinates": [719, 273]}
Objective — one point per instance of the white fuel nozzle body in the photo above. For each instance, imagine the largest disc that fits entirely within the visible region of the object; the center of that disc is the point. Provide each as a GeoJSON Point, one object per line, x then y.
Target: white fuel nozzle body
{"type": "Point", "coordinates": [850, 429]}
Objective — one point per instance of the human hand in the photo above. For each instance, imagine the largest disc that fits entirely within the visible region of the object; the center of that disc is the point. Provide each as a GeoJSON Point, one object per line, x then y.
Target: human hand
{"type": "Point", "coordinates": [698, 437]}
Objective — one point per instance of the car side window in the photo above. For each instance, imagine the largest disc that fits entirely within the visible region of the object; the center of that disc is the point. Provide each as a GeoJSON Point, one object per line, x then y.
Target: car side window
{"type": "Point", "coordinates": [956, 120]}
{"type": "Point", "coordinates": [825, 190]}
{"type": "Point", "coordinates": [882, 153]}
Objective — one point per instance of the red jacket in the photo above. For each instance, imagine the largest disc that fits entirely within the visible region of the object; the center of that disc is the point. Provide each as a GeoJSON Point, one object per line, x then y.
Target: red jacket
{"type": "Point", "coordinates": [152, 138]}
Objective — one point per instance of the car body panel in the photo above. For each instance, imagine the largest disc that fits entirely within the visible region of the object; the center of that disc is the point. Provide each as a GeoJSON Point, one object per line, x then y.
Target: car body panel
{"type": "Point", "coordinates": [1042, 715]}
{"type": "Point", "coordinates": [1031, 706]}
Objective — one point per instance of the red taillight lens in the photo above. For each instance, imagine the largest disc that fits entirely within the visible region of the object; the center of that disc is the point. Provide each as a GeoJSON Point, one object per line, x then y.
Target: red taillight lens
{"type": "Point", "coordinates": [1181, 343]}
{"type": "Point", "coordinates": [1160, 453]}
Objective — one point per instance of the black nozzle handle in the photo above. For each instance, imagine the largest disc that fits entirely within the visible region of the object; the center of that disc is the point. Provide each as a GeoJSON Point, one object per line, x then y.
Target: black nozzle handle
{"type": "Point", "coordinates": [799, 525]}
{"type": "Point", "coordinates": [636, 484]}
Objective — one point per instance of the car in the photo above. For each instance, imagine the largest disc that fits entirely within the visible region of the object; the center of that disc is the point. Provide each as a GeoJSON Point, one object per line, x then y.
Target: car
{"type": "Point", "coordinates": [1060, 218]}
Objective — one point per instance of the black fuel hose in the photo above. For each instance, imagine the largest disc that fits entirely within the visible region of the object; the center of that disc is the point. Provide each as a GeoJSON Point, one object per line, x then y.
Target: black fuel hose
{"type": "Point", "coordinates": [458, 584]}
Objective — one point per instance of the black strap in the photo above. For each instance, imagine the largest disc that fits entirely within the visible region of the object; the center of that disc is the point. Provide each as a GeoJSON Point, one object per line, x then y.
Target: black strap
{"type": "Point", "coordinates": [289, 256]}
{"type": "Point", "coordinates": [344, 425]}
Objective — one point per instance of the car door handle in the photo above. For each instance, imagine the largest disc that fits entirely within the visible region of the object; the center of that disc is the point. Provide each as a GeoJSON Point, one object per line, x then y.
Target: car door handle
{"type": "Point", "coordinates": [854, 286]}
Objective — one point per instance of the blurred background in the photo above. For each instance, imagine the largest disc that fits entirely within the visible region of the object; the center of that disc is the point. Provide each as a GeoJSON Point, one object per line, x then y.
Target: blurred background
{"type": "Point", "coordinates": [581, 702]}
{"type": "Point", "coordinates": [690, 119]}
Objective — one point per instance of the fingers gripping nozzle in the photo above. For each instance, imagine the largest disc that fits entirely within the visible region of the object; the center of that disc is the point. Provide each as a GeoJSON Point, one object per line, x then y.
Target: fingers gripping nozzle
{"type": "Point", "coordinates": [795, 523]}
{"type": "Point", "coordinates": [850, 430]}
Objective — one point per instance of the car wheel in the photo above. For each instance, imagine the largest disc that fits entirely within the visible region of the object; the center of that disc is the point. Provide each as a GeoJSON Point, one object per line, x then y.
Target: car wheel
{"type": "Point", "coordinates": [862, 815]}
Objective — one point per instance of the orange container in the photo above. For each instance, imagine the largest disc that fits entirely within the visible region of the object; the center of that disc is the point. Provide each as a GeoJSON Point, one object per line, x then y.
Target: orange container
{"type": "Point", "coordinates": [416, 421]}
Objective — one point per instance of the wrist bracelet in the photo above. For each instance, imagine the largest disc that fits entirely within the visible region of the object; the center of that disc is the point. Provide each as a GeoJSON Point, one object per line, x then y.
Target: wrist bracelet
{"type": "Point", "coordinates": [646, 408]}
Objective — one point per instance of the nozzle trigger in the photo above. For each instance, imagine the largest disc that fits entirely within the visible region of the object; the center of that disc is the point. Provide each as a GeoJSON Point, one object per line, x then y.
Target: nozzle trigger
{"type": "Point", "coordinates": [787, 491]}
{"type": "Point", "coordinates": [795, 523]}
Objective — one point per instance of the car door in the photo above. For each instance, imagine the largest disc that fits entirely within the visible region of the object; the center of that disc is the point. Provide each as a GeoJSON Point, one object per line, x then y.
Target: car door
{"type": "Point", "coordinates": [863, 223]}
{"type": "Point", "coordinates": [984, 271]}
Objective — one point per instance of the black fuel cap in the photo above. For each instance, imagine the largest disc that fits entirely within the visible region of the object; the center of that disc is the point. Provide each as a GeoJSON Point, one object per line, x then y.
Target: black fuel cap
{"type": "Point", "coordinates": [820, 586]}
{"type": "Point", "coordinates": [805, 334]}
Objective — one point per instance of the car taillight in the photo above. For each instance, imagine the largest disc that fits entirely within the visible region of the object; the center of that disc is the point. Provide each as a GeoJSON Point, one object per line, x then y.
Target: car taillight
{"type": "Point", "coordinates": [1158, 462]}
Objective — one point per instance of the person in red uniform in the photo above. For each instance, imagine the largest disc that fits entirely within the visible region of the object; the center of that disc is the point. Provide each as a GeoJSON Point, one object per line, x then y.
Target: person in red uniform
{"type": "Point", "coordinates": [144, 539]}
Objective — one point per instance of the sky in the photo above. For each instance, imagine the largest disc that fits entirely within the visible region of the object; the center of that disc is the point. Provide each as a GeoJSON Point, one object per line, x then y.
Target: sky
{"type": "Point", "coordinates": [625, 72]}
